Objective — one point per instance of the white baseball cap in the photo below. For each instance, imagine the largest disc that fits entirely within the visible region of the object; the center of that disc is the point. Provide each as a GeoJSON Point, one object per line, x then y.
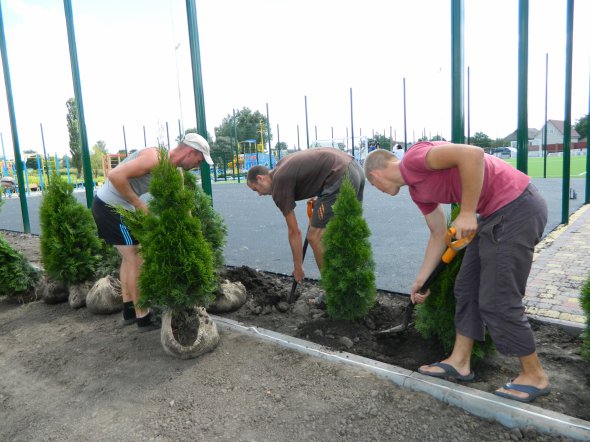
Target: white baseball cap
{"type": "Point", "coordinates": [199, 143]}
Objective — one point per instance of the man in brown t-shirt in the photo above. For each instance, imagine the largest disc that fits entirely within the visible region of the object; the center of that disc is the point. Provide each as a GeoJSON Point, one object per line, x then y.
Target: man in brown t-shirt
{"type": "Point", "coordinates": [310, 173]}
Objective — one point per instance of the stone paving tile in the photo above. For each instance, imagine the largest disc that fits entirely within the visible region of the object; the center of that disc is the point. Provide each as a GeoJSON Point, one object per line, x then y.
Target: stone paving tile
{"type": "Point", "coordinates": [561, 266]}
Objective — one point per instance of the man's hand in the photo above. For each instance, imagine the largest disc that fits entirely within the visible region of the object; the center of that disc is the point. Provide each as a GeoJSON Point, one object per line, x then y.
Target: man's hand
{"type": "Point", "coordinates": [466, 224]}
{"type": "Point", "coordinates": [141, 207]}
{"type": "Point", "coordinates": [415, 296]}
{"type": "Point", "coordinates": [298, 274]}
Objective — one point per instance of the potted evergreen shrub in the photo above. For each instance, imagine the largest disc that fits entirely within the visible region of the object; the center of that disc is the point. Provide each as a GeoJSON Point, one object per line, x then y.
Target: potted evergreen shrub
{"type": "Point", "coordinates": [70, 248]}
{"type": "Point", "coordinates": [348, 272]}
{"type": "Point", "coordinates": [18, 278]}
{"type": "Point", "coordinates": [178, 263]}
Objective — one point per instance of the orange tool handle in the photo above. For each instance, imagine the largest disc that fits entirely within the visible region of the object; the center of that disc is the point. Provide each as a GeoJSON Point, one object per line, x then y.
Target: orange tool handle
{"type": "Point", "coordinates": [310, 203]}
{"type": "Point", "coordinates": [454, 246]}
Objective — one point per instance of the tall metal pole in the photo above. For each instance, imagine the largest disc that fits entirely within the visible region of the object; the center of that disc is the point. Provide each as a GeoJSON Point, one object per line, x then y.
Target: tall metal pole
{"type": "Point", "coordinates": [545, 126]}
{"type": "Point", "coordinates": [88, 180]}
{"type": "Point", "coordinates": [468, 107]}
{"type": "Point", "coordinates": [523, 54]}
{"type": "Point", "coordinates": [332, 136]}
{"type": "Point", "coordinates": [17, 157]}
{"type": "Point", "coordinates": [125, 142]}
{"type": "Point", "coordinates": [306, 123]}
{"type": "Point", "coordinates": [279, 141]}
{"type": "Point", "coordinates": [457, 50]}
{"type": "Point", "coordinates": [587, 199]}
{"type": "Point", "coordinates": [567, 121]}
{"type": "Point", "coordinates": [5, 161]}
{"type": "Point", "coordinates": [405, 121]}
{"type": "Point", "coordinates": [44, 151]}
{"type": "Point", "coordinates": [191, 12]}
{"type": "Point", "coordinates": [168, 136]}
{"type": "Point", "coordinates": [268, 136]}
{"type": "Point", "coordinates": [237, 146]}
{"type": "Point", "coordinates": [351, 123]}
{"type": "Point", "coordinates": [144, 138]}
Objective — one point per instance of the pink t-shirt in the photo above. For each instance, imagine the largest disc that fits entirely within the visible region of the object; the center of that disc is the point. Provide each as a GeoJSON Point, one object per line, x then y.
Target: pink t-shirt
{"type": "Point", "coordinates": [502, 183]}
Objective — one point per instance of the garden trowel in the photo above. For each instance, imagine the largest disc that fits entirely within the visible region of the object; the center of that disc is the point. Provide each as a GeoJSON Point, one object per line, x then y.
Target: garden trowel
{"type": "Point", "coordinates": [305, 244]}
{"type": "Point", "coordinates": [453, 248]}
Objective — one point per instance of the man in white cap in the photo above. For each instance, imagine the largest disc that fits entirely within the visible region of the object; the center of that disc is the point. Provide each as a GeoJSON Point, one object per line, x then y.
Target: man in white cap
{"type": "Point", "coordinates": [124, 186]}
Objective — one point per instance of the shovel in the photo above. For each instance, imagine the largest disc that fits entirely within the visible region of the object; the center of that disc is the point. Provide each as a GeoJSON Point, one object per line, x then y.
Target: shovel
{"type": "Point", "coordinates": [305, 244]}
{"type": "Point", "coordinates": [452, 248]}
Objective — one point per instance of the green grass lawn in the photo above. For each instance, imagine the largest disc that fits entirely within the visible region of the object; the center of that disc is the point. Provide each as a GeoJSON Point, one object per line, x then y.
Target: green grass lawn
{"type": "Point", "coordinates": [554, 167]}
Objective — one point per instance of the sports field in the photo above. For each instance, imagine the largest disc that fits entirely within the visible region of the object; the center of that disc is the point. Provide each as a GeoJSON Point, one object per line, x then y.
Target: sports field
{"type": "Point", "coordinates": [554, 167]}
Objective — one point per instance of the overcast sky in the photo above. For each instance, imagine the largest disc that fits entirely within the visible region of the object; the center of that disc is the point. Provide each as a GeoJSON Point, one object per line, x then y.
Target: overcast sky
{"type": "Point", "coordinates": [135, 68]}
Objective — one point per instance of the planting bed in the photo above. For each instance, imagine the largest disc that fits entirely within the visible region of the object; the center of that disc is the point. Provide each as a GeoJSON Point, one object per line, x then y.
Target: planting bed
{"type": "Point", "coordinates": [266, 307]}
{"type": "Point", "coordinates": [69, 344]}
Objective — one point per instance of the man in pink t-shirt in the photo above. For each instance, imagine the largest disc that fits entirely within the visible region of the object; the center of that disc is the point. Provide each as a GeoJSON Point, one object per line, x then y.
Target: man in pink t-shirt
{"type": "Point", "coordinates": [508, 216]}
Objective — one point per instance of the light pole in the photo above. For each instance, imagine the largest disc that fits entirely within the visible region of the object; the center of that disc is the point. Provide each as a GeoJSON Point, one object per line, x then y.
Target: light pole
{"type": "Point", "coordinates": [181, 122]}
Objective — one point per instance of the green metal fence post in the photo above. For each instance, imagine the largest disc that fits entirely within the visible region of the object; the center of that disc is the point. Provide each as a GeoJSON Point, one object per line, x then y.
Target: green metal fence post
{"type": "Point", "coordinates": [193, 31]}
{"type": "Point", "coordinates": [567, 121]}
{"type": "Point", "coordinates": [88, 180]}
{"type": "Point", "coordinates": [17, 157]}
{"type": "Point", "coordinates": [458, 113]}
{"type": "Point", "coordinates": [522, 131]}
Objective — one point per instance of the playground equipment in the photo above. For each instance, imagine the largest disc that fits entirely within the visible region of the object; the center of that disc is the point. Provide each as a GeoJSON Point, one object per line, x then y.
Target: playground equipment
{"type": "Point", "coordinates": [111, 160]}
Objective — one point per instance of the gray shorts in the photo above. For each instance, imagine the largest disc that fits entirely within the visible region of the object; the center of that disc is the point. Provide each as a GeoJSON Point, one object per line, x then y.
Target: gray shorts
{"type": "Point", "coordinates": [322, 209]}
{"type": "Point", "coordinates": [492, 280]}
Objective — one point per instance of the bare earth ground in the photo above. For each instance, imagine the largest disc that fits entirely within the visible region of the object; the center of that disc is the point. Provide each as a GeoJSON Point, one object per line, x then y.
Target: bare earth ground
{"type": "Point", "coordinates": [69, 375]}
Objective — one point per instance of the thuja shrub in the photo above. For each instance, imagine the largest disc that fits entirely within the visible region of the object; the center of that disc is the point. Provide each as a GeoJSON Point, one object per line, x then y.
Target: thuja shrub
{"type": "Point", "coordinates": [17, 276]}
{"type": "Point", "coordinates": [348, 273]}
{"type": "Point", "coordinates": [585, 302]}
{"type": "Point", "coordinates": [212, 224]}
{"type": "Point", "coordinates": [70, 248]}
{"type": "Point", "coordinates": [177, 271]}
{"type": "Point", "coordinates": [436, 317]}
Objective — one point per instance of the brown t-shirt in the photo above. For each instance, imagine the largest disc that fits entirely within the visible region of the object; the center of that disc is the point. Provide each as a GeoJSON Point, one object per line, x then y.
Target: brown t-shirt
{"type": "Point", "coordinates": [304, 174]}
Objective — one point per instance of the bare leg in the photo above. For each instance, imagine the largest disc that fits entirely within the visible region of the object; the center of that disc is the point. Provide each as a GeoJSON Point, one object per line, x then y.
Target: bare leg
{"type": "Point", "coordinates": [531, 373]}
{"type": "Point", "coordinates": [460, 358]}
{"type": "Point", "coordinates": [129, 274]}
{"type": "Point", "coordinates": [314, 237]}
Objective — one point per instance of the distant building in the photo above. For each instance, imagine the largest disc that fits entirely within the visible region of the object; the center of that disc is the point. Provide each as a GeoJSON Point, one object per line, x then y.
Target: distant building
{"type": "Point", "coordinates": [555, 129]}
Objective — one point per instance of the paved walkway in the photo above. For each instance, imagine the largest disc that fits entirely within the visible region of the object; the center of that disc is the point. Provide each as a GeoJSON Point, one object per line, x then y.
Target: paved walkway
{"type": "Point", "coordinates": [560, 268]}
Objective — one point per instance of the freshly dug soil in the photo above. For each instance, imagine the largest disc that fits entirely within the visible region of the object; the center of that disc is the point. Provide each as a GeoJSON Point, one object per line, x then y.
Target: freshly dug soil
{"type": "Point", "coordinates": [267, 307]}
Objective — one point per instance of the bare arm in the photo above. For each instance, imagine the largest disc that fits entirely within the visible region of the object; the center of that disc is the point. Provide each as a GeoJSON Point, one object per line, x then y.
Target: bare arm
{"type": "Point", "coordinates": [120, 175]}
{"type": "Point", "coordinates": [469, 160]}
{"type": "Point", "coordinates": [295, 243]}
{"type": "Point", "coordinates": [437, 224]}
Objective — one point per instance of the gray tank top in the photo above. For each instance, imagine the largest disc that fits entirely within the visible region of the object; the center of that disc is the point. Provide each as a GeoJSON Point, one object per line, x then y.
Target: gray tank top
{"type": "Point", "coordinates": [140, 185]}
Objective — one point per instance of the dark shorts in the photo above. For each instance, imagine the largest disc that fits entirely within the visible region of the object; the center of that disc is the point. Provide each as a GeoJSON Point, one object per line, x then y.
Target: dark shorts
{"type": "Point", "coordinates": [322, 209]}
{"type": "Point", "coordinates": [110, 225]}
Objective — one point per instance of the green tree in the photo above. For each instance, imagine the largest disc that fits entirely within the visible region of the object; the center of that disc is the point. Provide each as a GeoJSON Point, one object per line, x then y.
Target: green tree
{"type": "Point", "coordinates": [99, 150]}
{"type": "Point", "coordinates": [31, 162]}
{"type": "Point", "coordinates": [247, 125]}
{"type": "Point", "coordinates": [581, 126]}
{"type": "Point", "coordinates": [348, 272]}
{"type": "Point", "coordinates": [482, 140]}
{"type": "Point", "coordinates": [74, 134]}
{"type": "Point", "coordinates": [70, 248]}
{"type": "Point", "coordinates": [178, 267]}
{"type": "Point", "coordinates": [380, 140]}
{"type": "Point", "coordinates": [17, 276]}
{"type": "Point", "coordinates": [212, 224]}
{"type": "Point", "coordinates": [436, 317]}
